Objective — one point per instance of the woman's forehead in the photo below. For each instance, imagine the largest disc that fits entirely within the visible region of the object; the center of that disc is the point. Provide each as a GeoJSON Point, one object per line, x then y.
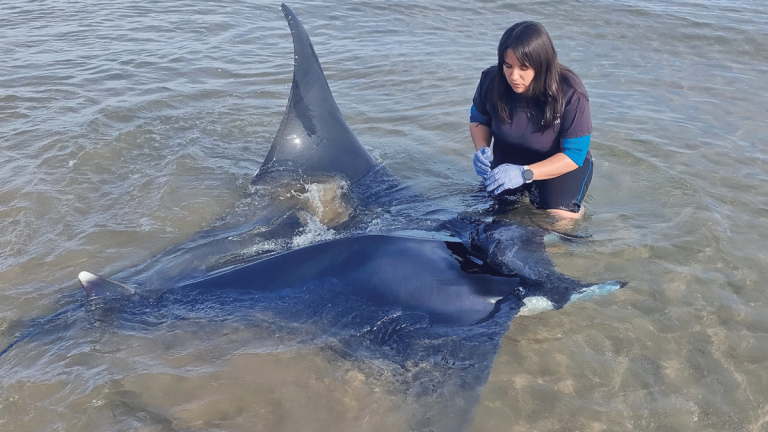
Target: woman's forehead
{"type": "Point", "coordinates": [512, 58]}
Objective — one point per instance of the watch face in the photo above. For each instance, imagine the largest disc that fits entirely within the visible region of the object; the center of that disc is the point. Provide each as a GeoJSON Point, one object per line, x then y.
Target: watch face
{"type": "Point", "coordinates": [528, 175]}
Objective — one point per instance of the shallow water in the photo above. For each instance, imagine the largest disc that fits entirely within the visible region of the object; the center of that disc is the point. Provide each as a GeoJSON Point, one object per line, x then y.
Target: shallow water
{"type": "Point", "coordinates": [127, 127]}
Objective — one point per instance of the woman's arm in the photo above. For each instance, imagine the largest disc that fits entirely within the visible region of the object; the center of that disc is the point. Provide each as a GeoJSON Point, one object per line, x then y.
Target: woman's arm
{"type": "Point", "coordinates": [554, 166]}
{"type": "Point", "coordinates": [481, 135]}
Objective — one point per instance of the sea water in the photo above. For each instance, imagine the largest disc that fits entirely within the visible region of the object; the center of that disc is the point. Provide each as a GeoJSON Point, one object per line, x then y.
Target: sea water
{"type": "Point", "coordinates": [126, 127]}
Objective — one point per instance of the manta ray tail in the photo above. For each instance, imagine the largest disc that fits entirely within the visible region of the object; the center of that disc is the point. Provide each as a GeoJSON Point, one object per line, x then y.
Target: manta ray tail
{"type": "Point", "coordinates": [97, 286]}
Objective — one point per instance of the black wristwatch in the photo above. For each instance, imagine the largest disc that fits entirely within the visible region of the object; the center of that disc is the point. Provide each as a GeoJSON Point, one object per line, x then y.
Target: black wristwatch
{"type": "Point", "coordinates": [527, 174]}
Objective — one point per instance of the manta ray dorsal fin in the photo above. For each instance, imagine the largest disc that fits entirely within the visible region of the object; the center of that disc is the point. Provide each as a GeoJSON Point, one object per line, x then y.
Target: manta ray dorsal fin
{"type": "Point", "coordinates": [313, 136]}
{"type": "Point", "coordinates": [97, 286]}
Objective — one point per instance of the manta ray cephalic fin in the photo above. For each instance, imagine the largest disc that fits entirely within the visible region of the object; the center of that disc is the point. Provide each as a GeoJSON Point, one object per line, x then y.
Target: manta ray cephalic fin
{"type": "Point", "coordinates": [97, 286]}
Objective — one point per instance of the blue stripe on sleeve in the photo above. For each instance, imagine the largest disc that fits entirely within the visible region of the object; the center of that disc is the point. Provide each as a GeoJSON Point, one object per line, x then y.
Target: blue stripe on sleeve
{"type": "Point", "coordinates": [476, 117]}
{"type": "Point", "coordinates": [576, 148]}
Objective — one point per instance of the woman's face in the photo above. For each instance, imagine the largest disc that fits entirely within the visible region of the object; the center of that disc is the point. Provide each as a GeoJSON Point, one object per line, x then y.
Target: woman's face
{"type": "Point", "coordinates": [518, 76]}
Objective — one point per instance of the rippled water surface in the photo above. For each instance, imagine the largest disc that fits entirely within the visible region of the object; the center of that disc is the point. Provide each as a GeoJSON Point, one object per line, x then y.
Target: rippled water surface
{"type": "Point", "coordinates": [126, 127]}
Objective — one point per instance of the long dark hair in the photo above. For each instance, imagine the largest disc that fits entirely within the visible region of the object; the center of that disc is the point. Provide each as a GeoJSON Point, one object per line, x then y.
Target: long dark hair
{"type": "Point", "coordinates": [533, 48]}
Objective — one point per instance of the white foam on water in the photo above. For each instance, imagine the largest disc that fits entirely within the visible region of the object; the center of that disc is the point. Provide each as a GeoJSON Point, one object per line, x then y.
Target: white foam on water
{"type": "Point", "coordinates": [266, 246]}
{"type": "Point", "coordinates": [313, 231]}
{"type": "Point", "coordinates": [535, 305]}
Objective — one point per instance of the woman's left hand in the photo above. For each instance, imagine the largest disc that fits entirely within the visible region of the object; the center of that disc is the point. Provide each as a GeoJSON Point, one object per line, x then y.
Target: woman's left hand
{"type": "Point", "coordinates": [503, 177]}
{"type": "Point", "coordinates": [482, 161]}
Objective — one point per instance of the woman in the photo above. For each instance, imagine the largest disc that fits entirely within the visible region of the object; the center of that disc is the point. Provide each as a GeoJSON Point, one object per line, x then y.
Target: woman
{"type": "Point", "coordinates": [537, 112]}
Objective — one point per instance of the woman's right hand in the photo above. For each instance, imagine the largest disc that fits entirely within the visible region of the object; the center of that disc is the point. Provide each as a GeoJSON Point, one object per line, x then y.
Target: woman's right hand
{"type": "Point", "coordinates": [482, 161]}
{"type": "Point", "coordinates": [503, 177]}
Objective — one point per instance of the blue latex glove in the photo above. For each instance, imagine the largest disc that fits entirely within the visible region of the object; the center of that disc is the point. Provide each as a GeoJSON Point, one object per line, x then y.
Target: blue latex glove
{"type": "Point", "coordinates": [482, 161]}
{"type": "Point", "coordinates": [503, 177]}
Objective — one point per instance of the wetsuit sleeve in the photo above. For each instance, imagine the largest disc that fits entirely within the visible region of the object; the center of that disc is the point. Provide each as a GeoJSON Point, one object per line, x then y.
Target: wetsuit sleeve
{"type": "Point", "coordinates": [476, 117]}
{"type": "Point", "coordinates": [576, 125]}
{"type": "Point", "coordinates": [479, 112]}
{"type": "Point", "coordinates": [576, 148]}
{"type": "Point", "coordinates": [576, 120]}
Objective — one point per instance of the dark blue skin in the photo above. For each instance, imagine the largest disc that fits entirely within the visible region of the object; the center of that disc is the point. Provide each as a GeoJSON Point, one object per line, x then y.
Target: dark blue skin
{"type": "Point", "coordinates": [436, 278]}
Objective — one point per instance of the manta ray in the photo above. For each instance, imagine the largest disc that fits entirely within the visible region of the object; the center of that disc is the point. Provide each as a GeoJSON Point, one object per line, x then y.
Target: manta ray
{"type": "Point", "coordinates": [448, 280]}
{"type": "Point", "coordinates": [439, 295]}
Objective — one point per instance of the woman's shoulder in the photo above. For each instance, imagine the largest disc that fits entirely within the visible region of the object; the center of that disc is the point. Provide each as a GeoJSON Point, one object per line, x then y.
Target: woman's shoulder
{"type": "Point", "coordinates": [487, 75]}
{"type": "Point", "coordinates": [485, 88]}
{"type": "Point", "coordinates": [571, 84]}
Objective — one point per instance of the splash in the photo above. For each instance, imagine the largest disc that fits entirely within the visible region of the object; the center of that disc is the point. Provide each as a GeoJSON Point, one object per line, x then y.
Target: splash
{"type": "Point", "coordinates": [328, 201]}
{"type": "Point", "coordinates": [313, 231]}
{"type": "Point", "coordinates": [535, 305]}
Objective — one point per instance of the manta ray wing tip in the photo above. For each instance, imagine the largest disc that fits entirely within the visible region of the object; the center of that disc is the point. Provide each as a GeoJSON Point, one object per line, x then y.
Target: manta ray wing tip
{"type": "Point", "coordinates": [86, 277]}
{"type": "Point", "coordinates": [97, 286]}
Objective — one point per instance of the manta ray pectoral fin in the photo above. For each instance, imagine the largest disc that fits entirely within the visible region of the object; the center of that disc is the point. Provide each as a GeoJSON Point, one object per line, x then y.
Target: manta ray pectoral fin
{"type": "Point", "coordinates": [537, 304]}
{"type": "Point", "coordinates": [313, 137]}
{"type": "Point", "coordinates": [97, 286]}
